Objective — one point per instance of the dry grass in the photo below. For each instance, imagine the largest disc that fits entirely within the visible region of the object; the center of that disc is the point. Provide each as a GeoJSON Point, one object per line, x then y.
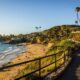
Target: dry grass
{"type": "Point", "coordinates": [34, 50]}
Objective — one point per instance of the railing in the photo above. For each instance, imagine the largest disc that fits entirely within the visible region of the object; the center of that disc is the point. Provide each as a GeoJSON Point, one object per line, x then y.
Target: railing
{"type": "Point", "coordinates": [64, 56]}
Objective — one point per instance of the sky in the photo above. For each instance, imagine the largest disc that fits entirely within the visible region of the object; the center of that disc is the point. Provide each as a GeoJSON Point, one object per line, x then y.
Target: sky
{"type": "Point", "coordinates": [22, 16]}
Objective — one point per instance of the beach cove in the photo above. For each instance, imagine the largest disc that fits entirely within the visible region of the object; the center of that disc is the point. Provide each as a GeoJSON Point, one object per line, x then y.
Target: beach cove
{"type": "Point", "coordinates": [33, 51]}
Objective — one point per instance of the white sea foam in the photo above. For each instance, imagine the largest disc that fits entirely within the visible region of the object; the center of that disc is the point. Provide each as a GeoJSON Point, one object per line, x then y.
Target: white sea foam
{"type": "Point", "coordinates": [10, 53]}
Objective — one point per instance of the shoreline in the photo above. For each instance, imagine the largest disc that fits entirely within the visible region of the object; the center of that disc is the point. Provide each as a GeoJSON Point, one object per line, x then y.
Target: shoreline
{"type": "Point", "coordinates": [30, 53]}
{"type": "Point", "coordinates": [33, 51]}
{"type": "Point", "coordinates": [10, 54]}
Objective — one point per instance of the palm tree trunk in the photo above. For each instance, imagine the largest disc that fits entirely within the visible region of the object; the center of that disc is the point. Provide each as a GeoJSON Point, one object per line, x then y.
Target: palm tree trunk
{"type": "Point", "coordinates": [77, 19]}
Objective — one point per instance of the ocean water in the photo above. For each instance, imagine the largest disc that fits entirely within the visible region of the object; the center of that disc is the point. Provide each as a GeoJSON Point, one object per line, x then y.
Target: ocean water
{"type": "Point", "coordinates": [9, 52]}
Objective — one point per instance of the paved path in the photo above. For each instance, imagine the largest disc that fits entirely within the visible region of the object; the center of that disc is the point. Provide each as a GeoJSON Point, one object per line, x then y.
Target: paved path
{"type": "Point", "coordinates": [73, 71]}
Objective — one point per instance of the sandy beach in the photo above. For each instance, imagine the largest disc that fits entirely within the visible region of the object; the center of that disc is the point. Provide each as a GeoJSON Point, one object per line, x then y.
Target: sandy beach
{"type": "Point", "coordinates": [33, 51]}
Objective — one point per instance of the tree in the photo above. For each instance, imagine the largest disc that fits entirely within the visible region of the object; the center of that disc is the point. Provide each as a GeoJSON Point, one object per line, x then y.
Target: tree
{"type": "Point", "coordinates": [38, 28]}
{"type": "Point", "coordinates": [77, 10]}
{"type": "Point", "coordinates": [76, 22]}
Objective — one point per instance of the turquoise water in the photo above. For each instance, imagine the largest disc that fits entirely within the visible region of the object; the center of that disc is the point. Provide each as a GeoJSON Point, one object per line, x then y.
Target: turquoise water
{"type": "Point", "coordinates": [4, 47]}
{"type": "Point", "coordinates": [9, 52]}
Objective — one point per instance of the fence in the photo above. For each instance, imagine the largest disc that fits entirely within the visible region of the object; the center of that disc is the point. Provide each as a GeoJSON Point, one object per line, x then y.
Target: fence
{"type": "Point", "coordinates": [65, 56]}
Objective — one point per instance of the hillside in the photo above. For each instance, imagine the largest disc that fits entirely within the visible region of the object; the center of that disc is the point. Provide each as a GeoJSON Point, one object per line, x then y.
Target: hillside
{"type": "Point", "coordinates": [50, 35]}
{"type": "Point", "coordinates": [48, 42]}
{"type": "Point", "coordinates": [55, 36]}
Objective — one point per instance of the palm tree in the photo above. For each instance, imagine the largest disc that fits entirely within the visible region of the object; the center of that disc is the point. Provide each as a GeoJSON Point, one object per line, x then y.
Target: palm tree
{"type": "Point", "coordinates": [36, 28]}
{"type": "Point", "coordinates": [77, 10]}
{"type": "Point", "coordinates": [76, 22]}
{"type": "Point", "coordinates": [40, 28]}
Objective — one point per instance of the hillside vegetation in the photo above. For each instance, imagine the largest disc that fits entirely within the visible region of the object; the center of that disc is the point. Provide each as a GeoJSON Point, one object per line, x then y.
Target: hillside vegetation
{"type": "Point", "coordinates": [55, 36]}
{"type": "Point", "coordinates": [64, 37]}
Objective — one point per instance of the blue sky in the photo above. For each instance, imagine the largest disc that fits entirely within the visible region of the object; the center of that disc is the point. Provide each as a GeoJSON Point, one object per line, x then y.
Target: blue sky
{"type": "Point", "coordinates": [21, 16]}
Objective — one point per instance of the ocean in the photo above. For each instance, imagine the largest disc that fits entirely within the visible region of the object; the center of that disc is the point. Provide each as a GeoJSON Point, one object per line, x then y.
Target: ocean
{"type": "Point", "coordinates": [9, 52]}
